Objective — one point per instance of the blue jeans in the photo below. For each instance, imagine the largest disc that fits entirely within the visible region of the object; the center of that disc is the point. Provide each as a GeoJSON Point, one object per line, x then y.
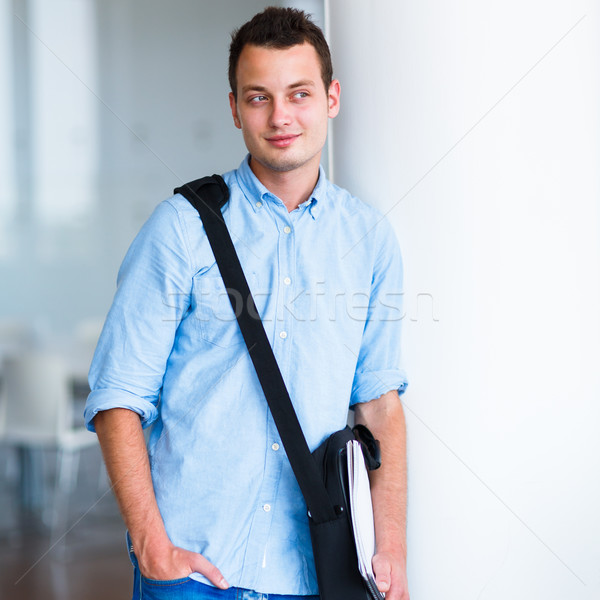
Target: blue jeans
{"type": "Point", "coordinates": [190, 589]}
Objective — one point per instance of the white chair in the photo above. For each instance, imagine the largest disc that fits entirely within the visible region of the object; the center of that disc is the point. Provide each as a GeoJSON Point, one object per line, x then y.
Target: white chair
{"type": "Point", "coordinates": [38, 414]}
{"type": "Point", "coordinates": [15, 336]}
{"type": "Point", "coordinates": [2, 408]}
{"type": "Point", "coordinates": [5, 464]}
{"type": "Point", "coordinates": [84, 341]}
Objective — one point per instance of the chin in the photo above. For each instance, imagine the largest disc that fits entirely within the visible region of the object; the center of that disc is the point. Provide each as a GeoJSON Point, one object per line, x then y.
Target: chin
{"type": "Point", "coordinates": [284, 163]}
{"type": "Point", "coordinates": [281, 165]}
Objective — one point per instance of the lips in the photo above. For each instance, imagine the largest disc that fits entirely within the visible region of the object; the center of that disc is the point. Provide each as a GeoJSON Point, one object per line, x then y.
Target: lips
{"type": "Point", "coordinates": [282, 141]}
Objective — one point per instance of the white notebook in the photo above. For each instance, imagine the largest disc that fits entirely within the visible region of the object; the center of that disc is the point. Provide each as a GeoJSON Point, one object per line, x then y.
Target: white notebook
{"type": "Point", "coordinates": [361, 509]}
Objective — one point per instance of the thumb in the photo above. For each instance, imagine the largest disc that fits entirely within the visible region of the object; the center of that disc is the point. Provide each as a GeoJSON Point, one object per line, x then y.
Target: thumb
{"type": "Point", "coordinates": [383, 572]}
{"type": "Point", "coordinates": [201, 565]}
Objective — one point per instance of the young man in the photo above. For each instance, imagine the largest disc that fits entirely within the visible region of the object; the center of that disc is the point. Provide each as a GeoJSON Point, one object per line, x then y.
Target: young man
{"type": "Point", "coordinates": [212, 501]}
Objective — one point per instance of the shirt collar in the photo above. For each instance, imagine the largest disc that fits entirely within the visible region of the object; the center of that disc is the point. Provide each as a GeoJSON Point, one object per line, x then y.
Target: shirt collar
{"type": "Point", "coordinates": [257, 194]}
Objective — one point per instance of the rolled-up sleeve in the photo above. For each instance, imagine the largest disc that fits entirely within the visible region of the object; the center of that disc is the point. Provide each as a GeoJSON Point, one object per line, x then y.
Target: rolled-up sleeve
{"type": "Point", "coordinates": [153, 294]}
{"type": "Point", "coordinates": [378, 368]}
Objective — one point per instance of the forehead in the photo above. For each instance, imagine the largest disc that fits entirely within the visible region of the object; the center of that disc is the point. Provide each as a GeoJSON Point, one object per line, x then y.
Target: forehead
{"type": "Point", "coordinates": [270, 67]}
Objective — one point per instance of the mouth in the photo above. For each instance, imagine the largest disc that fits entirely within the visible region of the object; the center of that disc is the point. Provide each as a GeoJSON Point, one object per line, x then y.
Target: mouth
{"type": "Point", "coordinates": [282, 141]}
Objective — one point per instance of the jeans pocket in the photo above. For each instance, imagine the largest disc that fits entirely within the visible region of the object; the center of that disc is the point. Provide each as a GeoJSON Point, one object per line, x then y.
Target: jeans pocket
{"type": "Point", "coordinates": [171, 589]}
{"type": "Point", "coordinates": [164, 582]}
{"type": "Point", "coordinates": [153, 589]}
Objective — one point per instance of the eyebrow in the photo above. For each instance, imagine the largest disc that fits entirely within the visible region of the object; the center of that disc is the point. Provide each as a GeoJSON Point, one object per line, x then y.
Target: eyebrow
{"type": "Point", "coordinates": [262, 88]}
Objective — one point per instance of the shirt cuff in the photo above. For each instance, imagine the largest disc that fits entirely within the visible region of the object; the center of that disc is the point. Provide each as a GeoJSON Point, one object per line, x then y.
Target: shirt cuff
{"type": "Point", "coordinates": [105, 399]}
{"type": "Point", "coordinates": [373, 384]}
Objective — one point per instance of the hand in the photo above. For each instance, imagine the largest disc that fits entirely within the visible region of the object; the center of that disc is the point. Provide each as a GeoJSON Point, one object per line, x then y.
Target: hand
{"type": "Point", "coordinates": [390, 576]}
{"type": "Point", "coordinates": [166, 561]}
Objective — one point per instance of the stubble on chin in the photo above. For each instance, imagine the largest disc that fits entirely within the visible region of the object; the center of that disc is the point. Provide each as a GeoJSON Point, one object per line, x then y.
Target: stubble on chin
{"type": "Point", "coordinates": [281, 164]}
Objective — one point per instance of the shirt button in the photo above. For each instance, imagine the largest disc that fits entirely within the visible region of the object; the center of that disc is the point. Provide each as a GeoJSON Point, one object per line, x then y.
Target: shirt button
{"type": "Point", "coordinates": [287, 229]}
{"type": "Point", "coordinates": [258, 204]}
{"type": "Point", "coordinates": [267, 507]}
{"type": "Point", "coordinates": [287, 281]}
{"type": "Point", "coordinates": [275, 446]}
{"type": "Point", "coordinates": [283, 335]}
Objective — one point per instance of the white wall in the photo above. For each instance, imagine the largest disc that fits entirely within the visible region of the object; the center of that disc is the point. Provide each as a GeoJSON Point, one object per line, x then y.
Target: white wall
{"type": "Point", "coordinates": [474, 127]}
{"type": "Point", "coordinates": [314, 8]}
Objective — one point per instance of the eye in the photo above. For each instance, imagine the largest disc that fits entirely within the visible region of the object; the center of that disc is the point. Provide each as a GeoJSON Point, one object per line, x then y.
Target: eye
{"type": "Point", "coordinates": [257, 99]}
{"type": "Point", "coordinates": [301, 95]}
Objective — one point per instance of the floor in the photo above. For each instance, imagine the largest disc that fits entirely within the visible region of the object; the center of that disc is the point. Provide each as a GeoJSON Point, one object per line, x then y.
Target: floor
{"type": "Point", "coordinates": [89, 563]}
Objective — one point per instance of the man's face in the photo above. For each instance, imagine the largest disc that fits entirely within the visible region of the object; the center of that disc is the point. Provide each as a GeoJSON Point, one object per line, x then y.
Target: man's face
{"type": "Point", "coordinates": [282, 107]}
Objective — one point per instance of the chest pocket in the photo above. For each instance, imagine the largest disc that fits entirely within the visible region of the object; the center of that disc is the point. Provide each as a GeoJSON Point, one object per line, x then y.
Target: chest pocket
{"type": "Point", "coordinates": [213, 312]}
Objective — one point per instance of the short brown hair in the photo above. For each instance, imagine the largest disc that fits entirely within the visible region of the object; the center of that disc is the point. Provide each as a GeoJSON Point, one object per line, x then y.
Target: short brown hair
{"type": "Point", "coordinates": [280, 28]}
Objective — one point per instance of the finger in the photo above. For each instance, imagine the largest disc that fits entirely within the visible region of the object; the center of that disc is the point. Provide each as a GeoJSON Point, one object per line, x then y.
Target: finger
{"type": "Point", "coordinates": [201, 565]}
{"type": "Point", "coordinates": [383, 572]}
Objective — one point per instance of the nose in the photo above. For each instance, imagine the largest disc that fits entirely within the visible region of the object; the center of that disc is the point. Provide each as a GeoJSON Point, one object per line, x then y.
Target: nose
{"type": "Point", "coordinates": [280, 113]}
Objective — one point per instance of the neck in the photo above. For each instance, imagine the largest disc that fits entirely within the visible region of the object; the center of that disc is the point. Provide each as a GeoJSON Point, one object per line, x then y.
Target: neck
{"type": "Point", "coordinates": [291, 187]}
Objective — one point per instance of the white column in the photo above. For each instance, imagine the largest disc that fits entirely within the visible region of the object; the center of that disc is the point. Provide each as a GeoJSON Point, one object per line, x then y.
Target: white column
{"type": "Point", "coordinates": [7, 130]}
{"type": "Point", "coordinates": [64, 107]}
{"type": "Point", "coordinates": [474, 127]}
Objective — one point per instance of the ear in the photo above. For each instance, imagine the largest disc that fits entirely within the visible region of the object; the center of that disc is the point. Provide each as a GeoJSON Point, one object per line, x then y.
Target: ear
{"type": "Point", "coordinates": [234, 112]}
{"type": "Point", "coordinates": [333, 99]}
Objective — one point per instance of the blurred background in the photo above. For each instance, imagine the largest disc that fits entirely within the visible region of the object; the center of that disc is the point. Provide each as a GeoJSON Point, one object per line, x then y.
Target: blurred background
{"type": "Point", "coordinates": [473, 126]}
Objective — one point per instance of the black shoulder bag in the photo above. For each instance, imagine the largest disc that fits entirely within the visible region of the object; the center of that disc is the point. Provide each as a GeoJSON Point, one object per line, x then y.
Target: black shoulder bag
{"type": "Point", "coordinates": [322, 475]}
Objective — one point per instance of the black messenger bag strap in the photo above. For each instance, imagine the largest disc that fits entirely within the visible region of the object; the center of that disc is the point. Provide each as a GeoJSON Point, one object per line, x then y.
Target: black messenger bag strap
{"type": "Point", "coordinates": [207, 196]}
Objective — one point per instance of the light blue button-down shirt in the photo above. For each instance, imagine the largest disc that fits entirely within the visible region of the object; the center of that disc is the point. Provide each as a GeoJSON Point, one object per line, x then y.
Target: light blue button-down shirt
{"type": "Point", "coordinates": [327, 281]}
